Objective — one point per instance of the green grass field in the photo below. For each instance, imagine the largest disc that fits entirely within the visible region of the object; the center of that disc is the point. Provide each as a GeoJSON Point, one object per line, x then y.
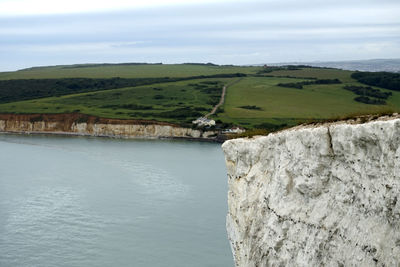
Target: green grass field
{"type": "Point", "coordinates": [279, 105]}
{"type": "Point", "coordinates": [124, 71]}
{"type": "Point", "coordinates": [342, 75]}
{"type": "Point", "coordinates": [254, 101]}
{"type": "Point", "coordinates": [184, 101]}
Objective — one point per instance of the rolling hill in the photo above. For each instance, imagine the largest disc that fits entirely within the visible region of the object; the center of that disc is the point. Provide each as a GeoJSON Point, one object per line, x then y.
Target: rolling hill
{"type": "Point", "coordinates": [267, 98]}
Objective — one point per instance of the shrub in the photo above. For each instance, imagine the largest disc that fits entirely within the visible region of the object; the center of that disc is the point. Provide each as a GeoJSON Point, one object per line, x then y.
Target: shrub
{"type": "Point", "coordinates": [299, 85]}
{"type": "Point", "coordinates": [180, 113]}
{"type": "Point", "coordinates": [368, 91]}
{"type": "Point", "coordinates": [386, 80]}
{"type": "Point", "coordinates": [367, 100]}
{"type": "Point", "coordinates": [250, 107]}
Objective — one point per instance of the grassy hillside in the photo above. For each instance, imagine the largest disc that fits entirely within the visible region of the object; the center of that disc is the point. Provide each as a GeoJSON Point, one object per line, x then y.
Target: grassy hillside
{"type": "Point", "coordinates": [320, 73]}
{"type": "Point", "coordinates": [124, 71]}
{"type": "Point", "coordinates": [265, 98]}
{"type": "Point", "coordinates": [177, 102]}
{"type": "Point", "coordinates": [280, 105]}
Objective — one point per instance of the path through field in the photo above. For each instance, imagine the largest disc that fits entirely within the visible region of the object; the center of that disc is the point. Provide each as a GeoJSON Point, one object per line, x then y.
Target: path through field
{"type": "Point", "coordinates": [221, 101]}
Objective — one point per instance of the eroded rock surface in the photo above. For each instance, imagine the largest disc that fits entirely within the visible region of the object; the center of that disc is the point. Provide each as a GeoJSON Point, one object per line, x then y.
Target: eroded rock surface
{"type": "Point", "coordinates": [89, 125]}
{"type": "Point", "coordinates": [316, 196]}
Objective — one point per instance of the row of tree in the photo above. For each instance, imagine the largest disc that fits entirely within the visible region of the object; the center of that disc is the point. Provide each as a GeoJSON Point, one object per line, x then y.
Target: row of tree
{"type": "Point", "coordinates": [367, 91]}
{"type": "Point", "coordinates": [368, 95]}
{"type": "Point", "coordinates": [299, 85]}
{"type": "Point", "coordinates": [25, 89]}
{"type": "Point", "coordinates": [387, 80]}
{"type": "Point", "coordinates": [369, 100]}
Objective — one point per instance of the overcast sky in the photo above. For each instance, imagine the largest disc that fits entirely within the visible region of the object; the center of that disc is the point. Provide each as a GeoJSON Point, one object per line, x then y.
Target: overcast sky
{"type": "Point", "coordinates": [49, 32]}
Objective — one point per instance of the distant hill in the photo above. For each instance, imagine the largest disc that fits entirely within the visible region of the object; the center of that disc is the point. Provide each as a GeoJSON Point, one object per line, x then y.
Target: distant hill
{"type": "Point", "coordinates": [258, 98]}
{"type": "Point", "coordinates": [390, 65]}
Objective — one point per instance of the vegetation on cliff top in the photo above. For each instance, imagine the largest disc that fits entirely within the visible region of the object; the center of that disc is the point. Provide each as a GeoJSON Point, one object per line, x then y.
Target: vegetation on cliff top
{"type": "Point", "coordinates": [175, 102]}
{"type": "Point", "coordinates": [257, 98]}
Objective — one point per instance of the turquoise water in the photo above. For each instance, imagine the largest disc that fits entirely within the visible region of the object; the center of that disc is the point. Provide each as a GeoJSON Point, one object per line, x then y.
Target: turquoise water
{"type": "Point", "coordinates": [75, 201]}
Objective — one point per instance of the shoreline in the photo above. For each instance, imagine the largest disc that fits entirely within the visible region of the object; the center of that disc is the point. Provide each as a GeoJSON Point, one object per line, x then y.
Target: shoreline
{"type": "Point", "coordinates": [70, 134]}
{"type": "Point", "coordinates": [75, 124]}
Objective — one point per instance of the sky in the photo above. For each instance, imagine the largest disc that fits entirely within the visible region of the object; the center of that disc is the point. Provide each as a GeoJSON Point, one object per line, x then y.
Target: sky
{"type": "Point", "coordinates": [48, 32]}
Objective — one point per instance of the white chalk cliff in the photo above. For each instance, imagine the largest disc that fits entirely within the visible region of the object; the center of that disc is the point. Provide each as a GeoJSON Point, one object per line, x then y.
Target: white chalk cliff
{"type": "Point", "coordinates": [326, 195]}
{"type": "Point", "coordinates": [70, 124]}
{"type": "Point", "coordinates": [101, 129]}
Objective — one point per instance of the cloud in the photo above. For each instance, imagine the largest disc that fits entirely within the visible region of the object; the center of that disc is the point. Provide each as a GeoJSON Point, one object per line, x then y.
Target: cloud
{"type": "Point", "coordinates": [239, 32]}
{"type": "Point", "coordinates": [43, 7]}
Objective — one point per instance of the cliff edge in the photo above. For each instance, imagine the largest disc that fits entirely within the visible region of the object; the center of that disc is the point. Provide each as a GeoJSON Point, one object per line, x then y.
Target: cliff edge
{"type": "Point", "coordinates": [80, 124]}
{"type": "Point", "coordinates": [325, 195]}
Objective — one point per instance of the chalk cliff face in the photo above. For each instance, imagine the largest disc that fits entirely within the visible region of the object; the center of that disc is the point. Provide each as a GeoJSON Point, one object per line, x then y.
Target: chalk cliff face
{"type": "Point", "coordinates": [70, 124]}
{"type": "Point", "coordinates": [324, 195]}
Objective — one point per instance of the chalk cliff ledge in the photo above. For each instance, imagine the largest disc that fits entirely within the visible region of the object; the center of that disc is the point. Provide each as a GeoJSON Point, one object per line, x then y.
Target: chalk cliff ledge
{"type": "Point", "coordinates": [325, 195]}
{"type": "Point", "coordinates": [80, 124]}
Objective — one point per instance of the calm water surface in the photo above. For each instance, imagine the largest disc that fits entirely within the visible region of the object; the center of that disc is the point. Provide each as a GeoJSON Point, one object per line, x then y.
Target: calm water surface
{"type": "Point", "coordinates": [74, 201]}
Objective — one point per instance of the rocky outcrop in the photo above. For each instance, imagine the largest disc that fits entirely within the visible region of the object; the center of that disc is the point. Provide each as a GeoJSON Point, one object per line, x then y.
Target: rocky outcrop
{"type": "Point", "coordinates": [326, 195]}
{"type": "Point", "coordinates": [78, 124]}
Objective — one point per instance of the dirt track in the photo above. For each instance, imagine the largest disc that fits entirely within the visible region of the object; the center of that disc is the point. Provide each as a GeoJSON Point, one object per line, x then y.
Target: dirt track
{"type": "Point", "coordinates": [221, 101]}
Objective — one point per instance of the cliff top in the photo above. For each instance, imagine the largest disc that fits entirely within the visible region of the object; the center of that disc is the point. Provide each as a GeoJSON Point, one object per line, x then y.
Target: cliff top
{"type": "Point", "coordinates": [354, 120]}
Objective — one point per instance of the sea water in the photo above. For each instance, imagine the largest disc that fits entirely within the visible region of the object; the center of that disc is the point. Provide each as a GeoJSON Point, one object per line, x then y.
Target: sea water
{"type": "Point", "coordinates": [80, 201]}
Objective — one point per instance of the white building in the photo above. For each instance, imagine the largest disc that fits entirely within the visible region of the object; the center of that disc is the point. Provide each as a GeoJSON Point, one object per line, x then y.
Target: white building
{"type": "Point", "coordinates": [203, 121]}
